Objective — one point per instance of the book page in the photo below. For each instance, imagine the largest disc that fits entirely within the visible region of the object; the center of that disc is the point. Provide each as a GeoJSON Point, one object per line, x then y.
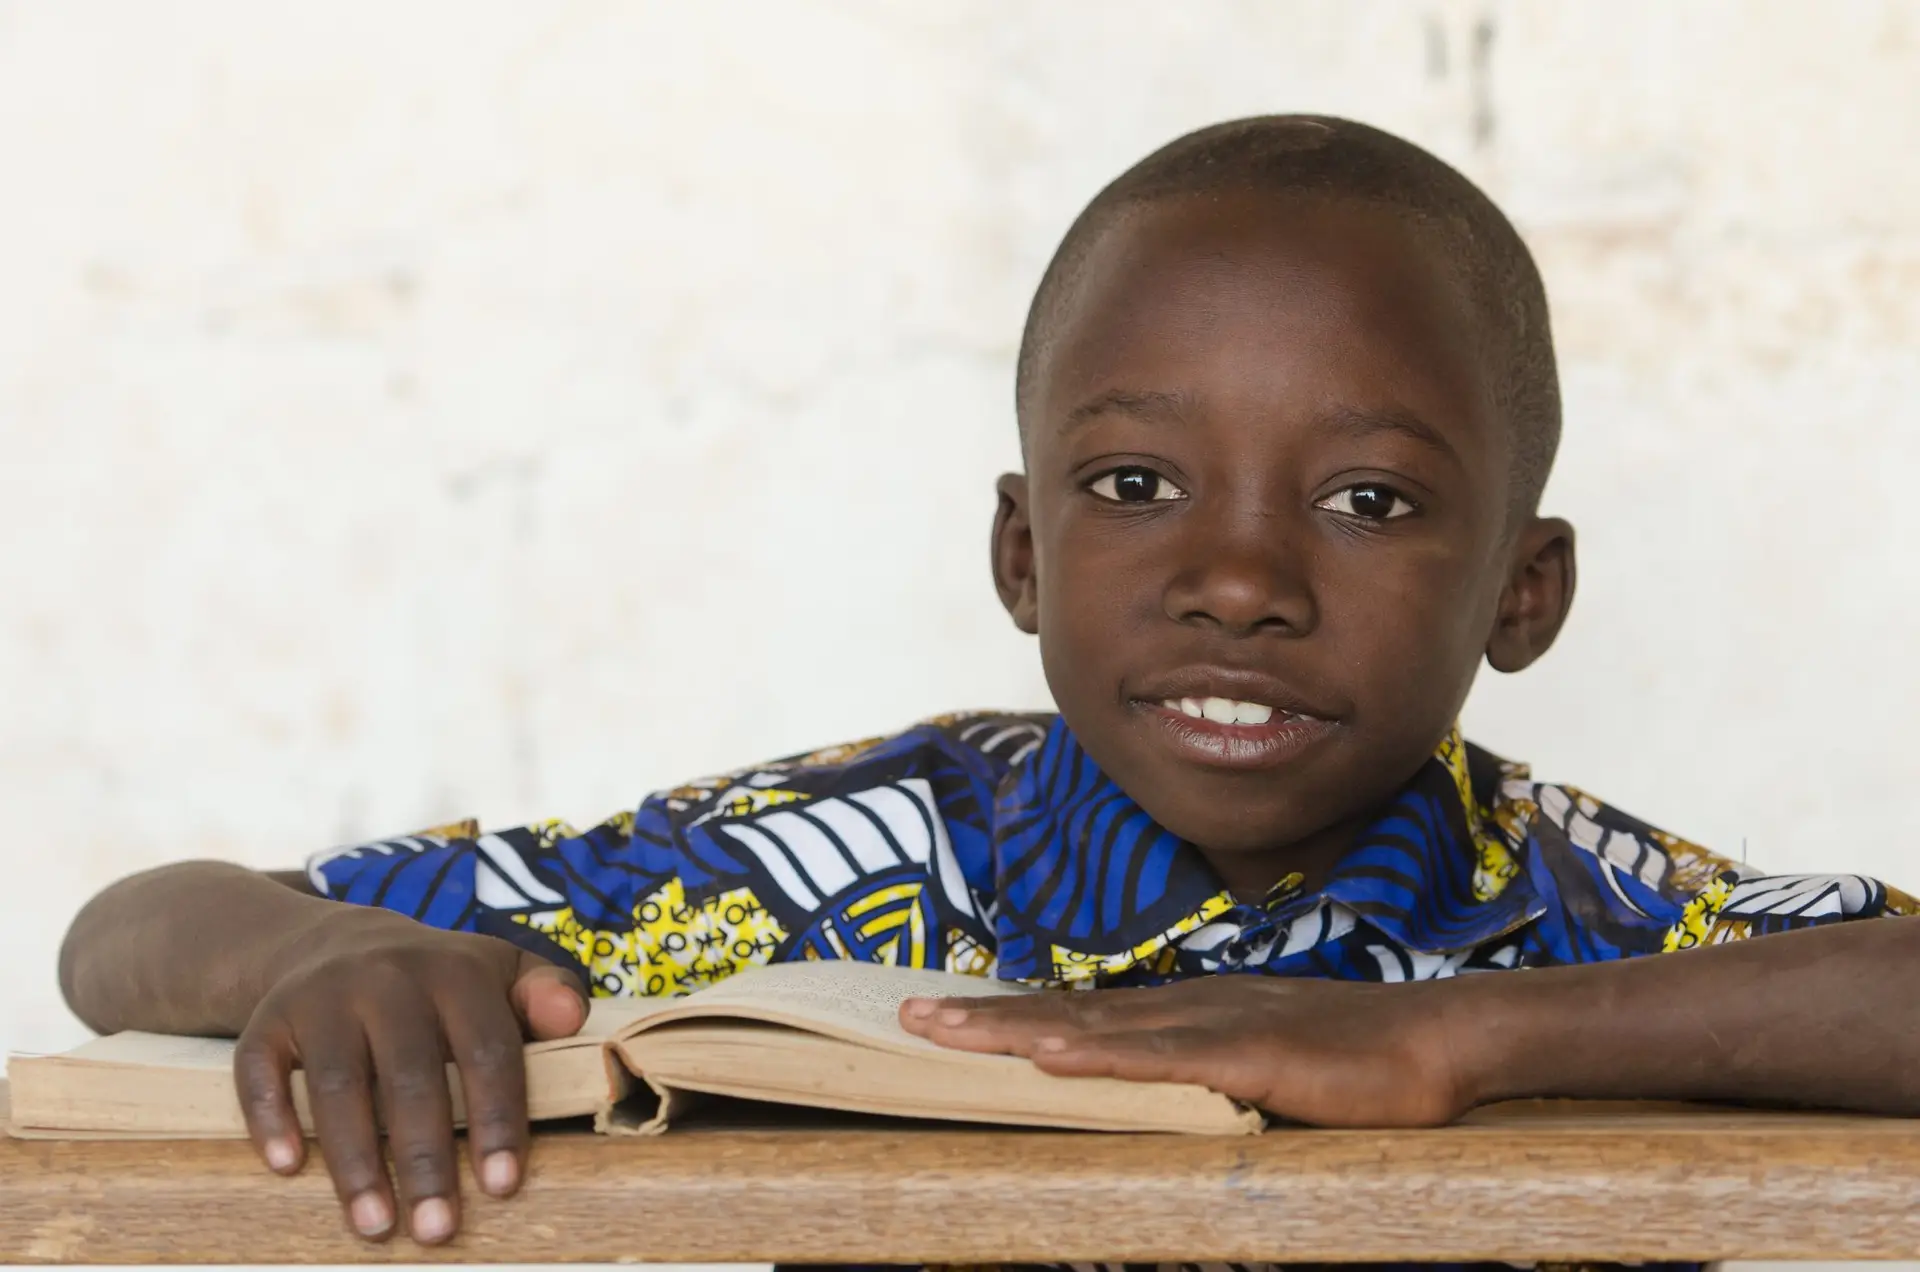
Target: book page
{"type": "Point", "coordinates": [827, 1035]}
{"type": "Point", "coordinates": [155, 1051]}
{"type": "Point", "coordinates": [607, 1018]}
{"type": "Point", "coordinates": [858, 998]}
{"type": "Point", "coordinates": [135, 1084]}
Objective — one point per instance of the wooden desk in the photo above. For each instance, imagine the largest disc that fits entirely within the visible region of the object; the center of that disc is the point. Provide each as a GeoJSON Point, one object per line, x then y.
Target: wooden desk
{"type": "Point", "coordinates": [1518, 1182]}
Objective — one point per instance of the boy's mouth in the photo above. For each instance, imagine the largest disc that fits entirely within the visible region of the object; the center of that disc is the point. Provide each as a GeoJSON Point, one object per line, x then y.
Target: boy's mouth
{"type": "Point", "coordinates": [1222, 710]}
{"type": "Point", "coordinates": [1260, 726]}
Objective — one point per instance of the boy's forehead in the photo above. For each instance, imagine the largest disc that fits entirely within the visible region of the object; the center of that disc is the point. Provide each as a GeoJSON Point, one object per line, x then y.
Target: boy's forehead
{"type": "Point", "coordinates": [1271, 304]}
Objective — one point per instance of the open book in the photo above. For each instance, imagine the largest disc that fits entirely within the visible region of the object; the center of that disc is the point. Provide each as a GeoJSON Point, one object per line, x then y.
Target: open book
{"type": "Point", "coordinates": [819, 1034]}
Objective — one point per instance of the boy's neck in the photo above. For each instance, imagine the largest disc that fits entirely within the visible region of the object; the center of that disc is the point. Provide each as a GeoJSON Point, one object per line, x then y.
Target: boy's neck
{"type": "Point", "coordinates": [1251, 877]}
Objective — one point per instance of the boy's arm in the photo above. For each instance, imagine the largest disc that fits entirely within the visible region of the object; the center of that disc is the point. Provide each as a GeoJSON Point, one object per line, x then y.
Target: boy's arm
{"type": "Point", "coordinates": [371, 1004]}
{"type": "Point", "coordinates": [1826, 1017]}
{"type": "Point", "coordinates": [450, 943]}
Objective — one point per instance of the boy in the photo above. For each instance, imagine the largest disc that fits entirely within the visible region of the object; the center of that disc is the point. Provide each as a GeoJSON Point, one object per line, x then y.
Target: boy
{"type": "Point", "coordinates": [1287, 400]}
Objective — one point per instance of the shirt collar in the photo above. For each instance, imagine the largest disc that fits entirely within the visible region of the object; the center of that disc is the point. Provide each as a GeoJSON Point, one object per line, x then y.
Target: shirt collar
{"type": "Point", "coordinates": [1089, 885]}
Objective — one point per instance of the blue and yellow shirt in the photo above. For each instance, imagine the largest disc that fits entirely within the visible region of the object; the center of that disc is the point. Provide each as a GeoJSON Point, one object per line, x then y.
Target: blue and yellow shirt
{"type": "Point", "coordinates": [991, 845]}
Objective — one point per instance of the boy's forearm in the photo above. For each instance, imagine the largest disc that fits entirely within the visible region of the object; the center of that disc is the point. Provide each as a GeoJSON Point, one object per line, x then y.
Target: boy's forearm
{"type": "Point", "coordinates": [1828, 1017]}
{"type": "Point", "coordinates": [187, 948]}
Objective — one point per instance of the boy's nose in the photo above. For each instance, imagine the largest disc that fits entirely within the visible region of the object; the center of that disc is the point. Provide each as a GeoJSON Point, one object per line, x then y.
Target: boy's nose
{"type": "Point", "coordinates": [1242, 583]}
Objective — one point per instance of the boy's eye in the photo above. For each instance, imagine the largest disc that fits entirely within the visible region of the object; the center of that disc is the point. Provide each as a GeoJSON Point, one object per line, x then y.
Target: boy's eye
{"type": "Point", "coordinates": [1368, 501]}
{"type": "Point", "coordinates": [1135, 485]}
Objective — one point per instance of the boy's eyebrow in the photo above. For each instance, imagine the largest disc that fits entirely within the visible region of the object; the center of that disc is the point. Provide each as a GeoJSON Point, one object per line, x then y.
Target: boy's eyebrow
{"type": "Point", "coordinates": [1172, 408]}
{"type": "Point", "coordinates": [1360, 422]}
{"type": "Point", "coordinates": [1167, 408]}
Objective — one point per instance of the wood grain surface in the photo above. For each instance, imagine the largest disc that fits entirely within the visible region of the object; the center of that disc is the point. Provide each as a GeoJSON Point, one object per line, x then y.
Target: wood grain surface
{"type": "Point", "coordinates": [1536, 1181]}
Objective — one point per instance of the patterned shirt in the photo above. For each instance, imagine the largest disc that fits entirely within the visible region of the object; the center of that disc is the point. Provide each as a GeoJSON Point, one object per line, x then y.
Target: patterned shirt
{"type": "Point", "coordinates": [992, 845]}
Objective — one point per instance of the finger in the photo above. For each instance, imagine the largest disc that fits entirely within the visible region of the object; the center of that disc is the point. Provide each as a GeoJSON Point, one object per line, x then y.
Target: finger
{"type": "Point", "coordinates": [953, 1011]}
{"type": "Point", "coordinates": [1085, 1006]}
{"type": "Point", "coordinates": [1006, 1026]}
{"type": "Point", "coordinates": [340, 1088]}
{"type": "Point", "coordinates": [1167, 1054]}
{"type": "Point", "coordinates": [1013, 1024]}
{"type": "Point", "coordinates": [484, 1038]}
{"type": "Point", "coordinates": [263, 1077]}
{"type": "Point", "coordinates": [410, 1070]}
{"type": "Point", "coordinates": [1196, 1055]}
{"type": "Point", "coordinates": [985, 1036]}
{"type": "Point", "coordinates": [548, 999]}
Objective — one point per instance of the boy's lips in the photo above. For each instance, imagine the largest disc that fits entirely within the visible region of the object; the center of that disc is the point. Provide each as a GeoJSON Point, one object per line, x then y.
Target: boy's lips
{"type": "Point", "coordinates": [1232, 719]}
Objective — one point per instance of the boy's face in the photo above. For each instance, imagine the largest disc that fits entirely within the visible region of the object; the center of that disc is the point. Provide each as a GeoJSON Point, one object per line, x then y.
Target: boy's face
{"type": "Point", "coordinates": [1265, 482]}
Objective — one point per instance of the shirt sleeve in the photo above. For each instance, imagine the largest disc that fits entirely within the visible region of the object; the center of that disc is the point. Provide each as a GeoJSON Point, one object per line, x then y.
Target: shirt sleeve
{"type": "Point", "coordinates": [1737, 904]}
{"type": "Point", "coordinates": [877, 852]}
{"type": "Point", "coordinates": [611, 901]}
{"type": "Point", "coordinates": [1659, 892]}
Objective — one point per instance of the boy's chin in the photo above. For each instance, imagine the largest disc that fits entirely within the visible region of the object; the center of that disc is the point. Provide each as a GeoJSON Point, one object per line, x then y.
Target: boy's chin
{"type": "Point", "coordinates": [1241, 814]}
{"type": "Point", "coordinates": [1268, 837]}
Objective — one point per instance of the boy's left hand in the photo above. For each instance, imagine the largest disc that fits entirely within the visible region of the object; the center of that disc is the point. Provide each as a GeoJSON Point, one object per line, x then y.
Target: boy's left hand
{"type": "Point", "coordinates": [1323, 1052]}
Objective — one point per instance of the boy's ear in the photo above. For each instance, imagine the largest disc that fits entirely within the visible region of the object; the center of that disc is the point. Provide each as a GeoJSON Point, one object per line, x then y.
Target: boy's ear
{"type": "Point", "coordinates": [1538, 594]}
{"type": "Point", "coordinates": [1013, 564]}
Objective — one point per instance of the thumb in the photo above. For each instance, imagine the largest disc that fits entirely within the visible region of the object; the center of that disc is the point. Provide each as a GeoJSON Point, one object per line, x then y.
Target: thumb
{"type": "Point", "coordinates": [548, 999]}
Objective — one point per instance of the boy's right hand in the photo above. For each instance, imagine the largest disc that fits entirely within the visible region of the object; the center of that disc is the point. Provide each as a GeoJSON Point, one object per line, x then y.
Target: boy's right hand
{"type": "Point", "coordinates": [373, 1005]}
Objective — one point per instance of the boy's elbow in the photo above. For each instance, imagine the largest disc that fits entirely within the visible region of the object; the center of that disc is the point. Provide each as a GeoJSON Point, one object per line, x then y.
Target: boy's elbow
{"type": "Point", "coordinates": [102, 935]}
{"type": "Point", "coordinates": [120, 950]}
{"type": "Point", "coordinates": [75, 957]}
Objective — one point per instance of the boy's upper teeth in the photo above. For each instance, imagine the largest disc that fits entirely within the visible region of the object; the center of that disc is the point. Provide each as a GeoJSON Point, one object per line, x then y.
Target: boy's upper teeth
{"type": "Point", "coordinates": [1221, 710]}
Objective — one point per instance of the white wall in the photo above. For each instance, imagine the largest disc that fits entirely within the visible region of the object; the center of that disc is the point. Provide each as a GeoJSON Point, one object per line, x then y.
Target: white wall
{"type": "Point", "coordinates": [416, 410]}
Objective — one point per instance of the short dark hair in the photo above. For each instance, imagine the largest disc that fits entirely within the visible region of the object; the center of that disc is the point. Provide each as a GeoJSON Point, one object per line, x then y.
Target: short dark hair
{"type": "Point", "coordinates": [1312, 156]}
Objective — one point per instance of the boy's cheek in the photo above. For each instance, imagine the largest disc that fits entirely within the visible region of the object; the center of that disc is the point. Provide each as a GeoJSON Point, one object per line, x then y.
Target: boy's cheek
{"type": "Point", "coordinates": [1413, 690]}
{"type": "Point", "coordinates": [1407, 630]}
{"type": "Point", "coordinates": [1092, 609]}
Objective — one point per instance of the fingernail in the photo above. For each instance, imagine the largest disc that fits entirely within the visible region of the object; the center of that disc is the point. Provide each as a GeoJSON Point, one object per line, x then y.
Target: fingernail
{"type": "Point", "coordinates": [282, 1155]}
{"type": "Point", "coordinates": [371, 1218]}
{"type": "Point", "coordinates": [1050, 1044]}
{"type": "Point", "coordinates": [919, 1008]}
{"type": "Point", "coordinates": [432, 1221]}
{"type": "Point", "coordinates": [954, 1016]}
{"type": "Point", "coordinates": [499, 1172]}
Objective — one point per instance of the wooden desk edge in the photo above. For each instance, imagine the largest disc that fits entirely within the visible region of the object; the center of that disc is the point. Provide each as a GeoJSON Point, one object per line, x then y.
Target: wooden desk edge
{"type": "Point", "coordinates": [1519, 1185]}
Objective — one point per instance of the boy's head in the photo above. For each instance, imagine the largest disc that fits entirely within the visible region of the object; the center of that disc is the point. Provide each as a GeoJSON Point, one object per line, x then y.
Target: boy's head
{"type": "Point", "coordinates": [1287, 400]}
